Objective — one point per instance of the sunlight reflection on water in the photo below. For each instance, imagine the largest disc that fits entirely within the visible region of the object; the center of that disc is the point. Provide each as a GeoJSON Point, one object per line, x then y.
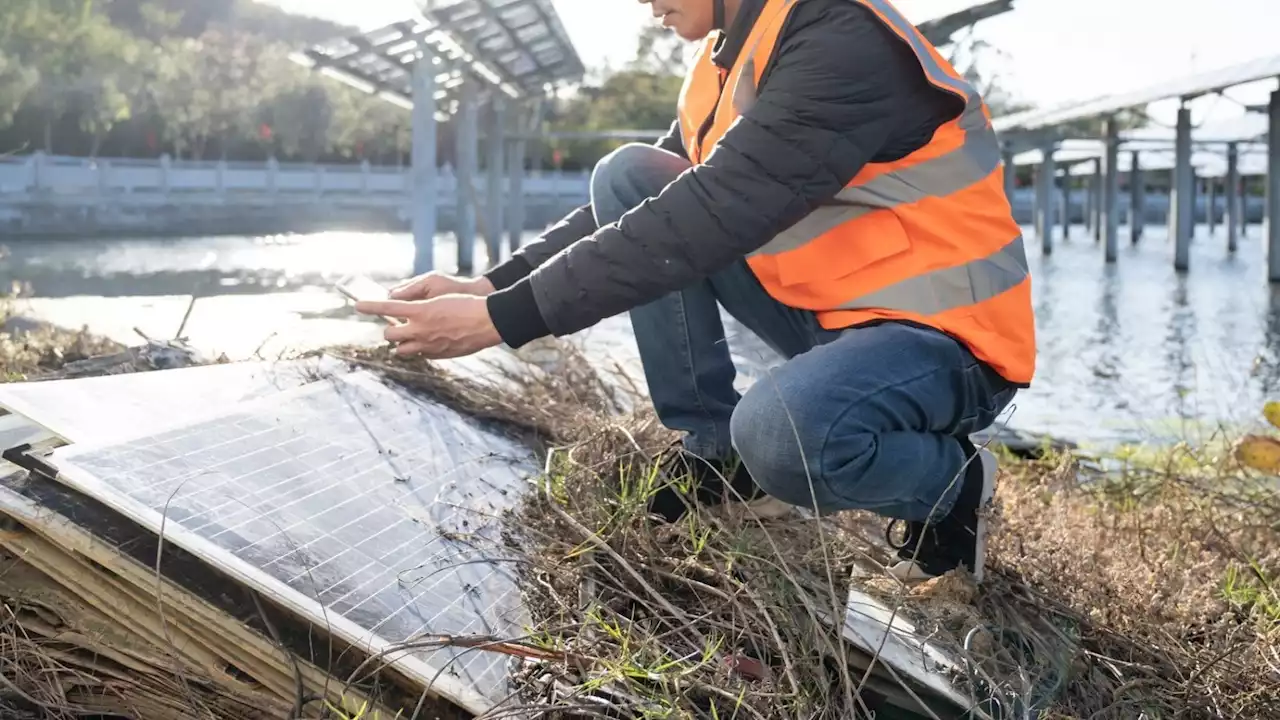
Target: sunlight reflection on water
{"type": "Point", "coordinates": [1126, 351]}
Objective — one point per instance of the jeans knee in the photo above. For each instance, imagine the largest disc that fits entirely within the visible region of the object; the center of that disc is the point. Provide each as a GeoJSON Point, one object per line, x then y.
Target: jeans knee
{"type": "Point", "coordinates": [776, 443]}
{"type": "Point", "coordinates": [629, 175]}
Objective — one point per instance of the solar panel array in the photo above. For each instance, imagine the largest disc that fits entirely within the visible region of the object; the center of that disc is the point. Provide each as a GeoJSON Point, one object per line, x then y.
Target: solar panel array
{"type": "Point", "coordinates": [378, 505]}
{"type": "Point", "coordinates": [1186, 87]}
{"type": "Point", "coordinates": [517, 46]}
{"type": "Point", "coordinates": [941, 27]}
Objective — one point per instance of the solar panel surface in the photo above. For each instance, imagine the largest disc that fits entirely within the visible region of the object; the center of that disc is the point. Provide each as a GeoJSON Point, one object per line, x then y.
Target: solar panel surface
{"type": "Point", "coordinates": [367, 508]}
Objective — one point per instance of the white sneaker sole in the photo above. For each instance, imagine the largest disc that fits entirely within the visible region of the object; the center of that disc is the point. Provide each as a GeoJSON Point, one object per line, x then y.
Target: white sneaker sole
{"type": "Point", "coordinates": [765, 508]}
{"type": "Point", "coordinates": [989, 468]}
{"type": "Point", "coordinates": [907, 571]}
{"type": "Point", "coordinates": [770, 507]}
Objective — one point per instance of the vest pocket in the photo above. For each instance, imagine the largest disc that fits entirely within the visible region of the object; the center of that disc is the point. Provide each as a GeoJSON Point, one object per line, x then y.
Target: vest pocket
{"type": "Point", "coordinates": [844, 250]}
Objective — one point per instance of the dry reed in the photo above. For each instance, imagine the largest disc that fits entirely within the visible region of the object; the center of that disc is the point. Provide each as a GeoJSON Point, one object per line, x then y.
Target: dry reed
{"type": "Point", "coordinates": [1150, 593]}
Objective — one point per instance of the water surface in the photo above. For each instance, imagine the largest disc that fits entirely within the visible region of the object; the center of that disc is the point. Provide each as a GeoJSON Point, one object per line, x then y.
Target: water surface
{"type": "Point", "coordinates": [1130, 351]}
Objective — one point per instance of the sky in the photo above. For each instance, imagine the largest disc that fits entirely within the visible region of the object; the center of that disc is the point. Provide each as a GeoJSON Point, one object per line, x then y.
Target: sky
{"type": "Point", "coordinates": [1045, 51]}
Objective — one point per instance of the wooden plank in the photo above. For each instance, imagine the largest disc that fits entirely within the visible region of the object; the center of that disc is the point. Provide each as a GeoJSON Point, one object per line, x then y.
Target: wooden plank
{"type": "Point", "coordinates": [220, 635]}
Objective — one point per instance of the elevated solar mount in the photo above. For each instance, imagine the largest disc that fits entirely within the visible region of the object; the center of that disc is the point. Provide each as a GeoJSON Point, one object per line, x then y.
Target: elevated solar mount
{"type": "Point", "coordinates": [518, 47]}
{"type": "Point", "coordinates": [1186, 88]}
{"type": "Point", "coordinates": [939, 30]}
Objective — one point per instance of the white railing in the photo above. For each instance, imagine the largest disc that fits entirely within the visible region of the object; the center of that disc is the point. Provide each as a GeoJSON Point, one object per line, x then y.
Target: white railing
{"type": "Point", "coordinates": [94, 180]}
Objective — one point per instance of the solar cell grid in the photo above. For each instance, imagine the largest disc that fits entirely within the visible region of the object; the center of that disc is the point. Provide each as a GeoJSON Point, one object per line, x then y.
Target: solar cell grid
{"type": "Point", "coordinates": [362, 497]}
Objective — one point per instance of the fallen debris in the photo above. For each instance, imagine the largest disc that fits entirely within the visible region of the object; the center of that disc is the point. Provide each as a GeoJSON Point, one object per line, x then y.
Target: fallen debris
{"type": "Point", "coordinates": [1150, 590]}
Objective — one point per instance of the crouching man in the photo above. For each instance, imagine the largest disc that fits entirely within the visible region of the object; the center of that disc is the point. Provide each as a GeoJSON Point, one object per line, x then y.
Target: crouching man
{"type": "Point", "coordinates": [835, 185]}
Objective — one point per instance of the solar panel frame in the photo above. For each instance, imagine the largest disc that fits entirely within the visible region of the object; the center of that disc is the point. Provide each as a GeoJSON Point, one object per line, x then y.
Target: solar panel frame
{"type": "Point", "coordinates": [1188, 87]}
{"type": "Point", "coordinates": [516, 47]}
{"type": "Point", "coordinates": [85, 472]}
{"type": "Point", "coordinates": [939, 28]}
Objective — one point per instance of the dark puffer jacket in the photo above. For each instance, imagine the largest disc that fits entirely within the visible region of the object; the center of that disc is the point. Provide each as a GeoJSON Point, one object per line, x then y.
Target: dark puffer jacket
{"type": "Point", "coordinates": [841, 90]}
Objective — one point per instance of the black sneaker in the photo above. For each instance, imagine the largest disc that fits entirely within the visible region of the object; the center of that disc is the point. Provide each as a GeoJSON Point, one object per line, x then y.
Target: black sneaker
{"type": "Point", "coordinates": [709, 490]}
{"type": "Point", "coordinates": [958, 539]}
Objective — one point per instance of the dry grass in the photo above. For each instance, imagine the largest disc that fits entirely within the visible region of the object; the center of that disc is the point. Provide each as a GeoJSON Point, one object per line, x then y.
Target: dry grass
{"type": "Point", "coordinates": [1144, 594]}
{"type": "Point", "coordinates": [1149, 594]}
{"type": "Point", "coordinates": [29, 352]}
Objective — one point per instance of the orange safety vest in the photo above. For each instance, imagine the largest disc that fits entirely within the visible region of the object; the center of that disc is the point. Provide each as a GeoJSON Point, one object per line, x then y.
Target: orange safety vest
{"type": "Point", "coordinates": [929, 238]}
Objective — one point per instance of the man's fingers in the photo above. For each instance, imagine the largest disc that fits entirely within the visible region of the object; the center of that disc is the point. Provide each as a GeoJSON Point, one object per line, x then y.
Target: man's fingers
{"type": "Point", "coordinates": [405, 290]}
{"type": "Point", "coordinates": [412, 290]}
{"type": "Point", "coordinates": [389, 308]}
{"type": "Point", "coordinates": [410, 348]}
{"type": "Point", "coordinates": [399, 333]}
{"type": "Point", "coordinates": [409, 289]}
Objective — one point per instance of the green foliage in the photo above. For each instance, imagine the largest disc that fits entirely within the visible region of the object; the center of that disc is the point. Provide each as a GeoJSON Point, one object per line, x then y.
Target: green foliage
{"type": "Point", "coordinates": [194, 78]}
{"type": "Point", "coordinates": [202, 79]}
{"type": "Point", "coordinates": [629, 99]}
{"type": "Point", "coordinates": [640, 96]}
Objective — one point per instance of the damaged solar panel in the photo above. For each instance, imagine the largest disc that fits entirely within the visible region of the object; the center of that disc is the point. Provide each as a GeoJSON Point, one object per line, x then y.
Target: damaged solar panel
{"type": "Point", "coordinates": [364, 507]}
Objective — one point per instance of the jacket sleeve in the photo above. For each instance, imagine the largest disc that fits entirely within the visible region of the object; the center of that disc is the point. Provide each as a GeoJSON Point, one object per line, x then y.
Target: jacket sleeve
{"type": "Point", "coordinates": [576, 225]}
{"type": "Point", "coordinates": [817, 120]}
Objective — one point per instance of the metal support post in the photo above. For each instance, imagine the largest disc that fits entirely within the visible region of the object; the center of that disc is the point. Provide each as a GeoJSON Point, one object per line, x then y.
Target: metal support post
{"type": "Point", "coordinates": [1137, 198]}
{"type": "Point", "coordinates": [1233, 196]}
{"type": "Point", "coordinates": [493, 174]}
{"type": "Point", "coordinates": [515, 175]}
{"type": "Point", "coordinates": [1087, 215]}
{"type": "Point", "coordinates": [1098, 217]}
{"type": "Point", "coordinates": [423, 143]}
{"type": "Point", "coordinates": [1195, 202]}
{"type": "Point", "coordinates": [1183, 191]}
{"type": "Point", "coordinates": [1211, 202]}
{"type": "Point", "coordinates": [1111, 191]}
{"type": "Point", "coordinates": [468, 159]}
{"type": "Point", "coordinates": [1273, 189]}
{"type": "Point", "coordinates": [1044, 198]}
{"type": "Point", "coordinates": [1010, 176]}
{"type": "Point", "coordinates": [527, 119]}
{"type": "Point", "coordinates": [1066, 203]}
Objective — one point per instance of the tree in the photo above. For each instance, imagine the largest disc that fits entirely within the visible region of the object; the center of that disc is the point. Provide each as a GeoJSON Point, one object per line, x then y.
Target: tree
{"type": "Point", "coordinates": [302, 117]}
{"type": "Point", "coordinates": [195, 75]}
{"type": "Point", "coordinates": [973, 58]}
{"type": "Point", "coordinates": [364, 129]}
{"type": "Point", "coordinates": [661, 52]}
{"type": "Point", "coordinates": [185, 103]}
{"type": "Point", "coordinates": [108, 85]}
{"type": "Point", "coordinates": [641, 96]}
{"type": "Point", "coordinates": [15, 82]}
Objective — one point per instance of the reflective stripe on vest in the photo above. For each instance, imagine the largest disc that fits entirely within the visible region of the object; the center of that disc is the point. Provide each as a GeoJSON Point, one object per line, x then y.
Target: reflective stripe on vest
{"type": "Point", "coordinates": [949, 173]}
{"type": "Point", "coordinates": [899, 240]}
{"type": "Point", "coordinates": [951, 288]}
{"type": "Point", "coordinates": [940, 290]}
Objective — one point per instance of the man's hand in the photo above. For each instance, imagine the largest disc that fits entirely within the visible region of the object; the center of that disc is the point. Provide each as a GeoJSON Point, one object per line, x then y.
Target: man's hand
{"type": "Point", "coordinates": [448, 326]}
{"type": "Point", "coordinates": [435, 284]}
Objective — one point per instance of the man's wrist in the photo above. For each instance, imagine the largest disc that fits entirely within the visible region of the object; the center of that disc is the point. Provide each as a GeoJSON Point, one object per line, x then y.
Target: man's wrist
{"type": "Point", "coordinates": [514, 313]}
{"type": "Point", "coordinates": [482, 286]}
{"type": "Point", "coordinates": [506, 274]}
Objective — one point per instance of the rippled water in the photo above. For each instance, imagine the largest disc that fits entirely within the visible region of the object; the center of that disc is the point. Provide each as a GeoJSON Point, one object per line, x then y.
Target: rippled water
{"type": "Point", "coordinates": [1127, 352]}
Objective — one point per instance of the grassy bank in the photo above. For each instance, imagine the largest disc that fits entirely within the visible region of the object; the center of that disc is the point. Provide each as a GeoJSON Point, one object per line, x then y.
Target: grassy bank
{"type": "Point", "coordinates": [1149, 592]}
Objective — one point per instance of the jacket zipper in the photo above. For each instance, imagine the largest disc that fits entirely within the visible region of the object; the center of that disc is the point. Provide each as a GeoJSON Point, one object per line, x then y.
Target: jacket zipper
{"type": "Point", "coordinates": [707, 123]}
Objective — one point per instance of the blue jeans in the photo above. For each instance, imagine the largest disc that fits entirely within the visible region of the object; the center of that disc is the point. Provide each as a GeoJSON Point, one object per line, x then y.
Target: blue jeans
{"type": "Point", "coordinates": [867, 418]}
